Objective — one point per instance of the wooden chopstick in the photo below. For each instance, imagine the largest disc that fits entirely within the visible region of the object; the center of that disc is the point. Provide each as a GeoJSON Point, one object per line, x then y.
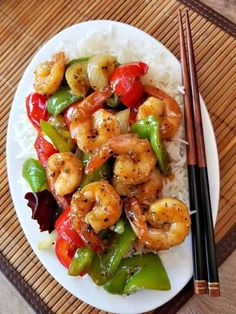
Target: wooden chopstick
{"type": "Point", "coordinates": [212, 269]}
{"type": "Point", "coordinates": [199, 275]}
{"type": "Point", "coordinates": [198, 180]}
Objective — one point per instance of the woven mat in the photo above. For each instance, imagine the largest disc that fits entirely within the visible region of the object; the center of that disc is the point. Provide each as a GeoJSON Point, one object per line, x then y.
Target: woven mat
{"type": "Point", "coordinates": [25, 26]}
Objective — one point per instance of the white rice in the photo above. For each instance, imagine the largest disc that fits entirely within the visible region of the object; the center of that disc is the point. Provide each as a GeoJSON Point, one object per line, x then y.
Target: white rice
{"type": "Point", "coordinates": [160, 74]}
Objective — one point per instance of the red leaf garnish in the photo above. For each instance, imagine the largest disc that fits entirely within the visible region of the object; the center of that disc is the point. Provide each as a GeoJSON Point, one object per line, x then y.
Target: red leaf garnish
{"type": "Point", "coordinates": [44, 209]}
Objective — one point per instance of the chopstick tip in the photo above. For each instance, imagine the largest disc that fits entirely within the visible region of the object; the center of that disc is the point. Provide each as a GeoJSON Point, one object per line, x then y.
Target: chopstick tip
{"type": "Point", "coordinates": [187, 15]}
{"type": "Point", "coordinates": [180, 16]}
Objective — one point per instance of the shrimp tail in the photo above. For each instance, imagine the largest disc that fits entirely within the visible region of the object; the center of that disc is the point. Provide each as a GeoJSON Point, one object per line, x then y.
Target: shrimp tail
{"type": "Point", "coordinates": [100, 155]}
{"type": "Point", "coordinates": [87, 235]}
{"type": "Point", "coordinates": [133, 210]}
{"type": "Point", "coordinates": [63, 201]}
{"type": "Point", "coordinates": [154, 91]}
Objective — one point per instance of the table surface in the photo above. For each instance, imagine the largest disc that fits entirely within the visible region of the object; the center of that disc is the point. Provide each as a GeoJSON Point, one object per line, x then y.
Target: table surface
{"type": "Point", "coordinates": [12, 302]}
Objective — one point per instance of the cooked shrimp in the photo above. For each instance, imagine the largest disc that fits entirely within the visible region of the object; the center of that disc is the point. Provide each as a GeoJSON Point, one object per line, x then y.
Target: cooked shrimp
{"type": "Point", "coordinates": [164, 108]}
{"type": "Point", "coordinates": [49, 75]}
{"type": "Point", "coordinates": [145, 192]}
{"type": "Point", "coordinates": [165, 224]}
{"type": "Point", "coordinates": [135, 159]}
{"type": "Point", "coordinates": [151, 188]}
{"type": "Point", "coordinates": [123, 189]}
{"type": "Point", "coordinates": [92, 126]}
{"type": "Point", "coordinates": [96, 130]}
{"type": "Point", "coordinates": [64, 173]}
{"type": "Point", "coordinates": [96, 207]}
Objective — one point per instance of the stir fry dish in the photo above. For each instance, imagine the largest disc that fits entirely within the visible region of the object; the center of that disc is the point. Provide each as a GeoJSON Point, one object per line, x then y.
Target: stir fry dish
{"type": "Point", "coordinates": [98, 179]}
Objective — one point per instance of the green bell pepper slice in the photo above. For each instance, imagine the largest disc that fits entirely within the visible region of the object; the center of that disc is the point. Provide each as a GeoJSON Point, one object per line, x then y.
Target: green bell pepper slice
{"type": "Point", "coordinates": [59, 125]}
{"type": "Point", "coordinates": [81, 261]}
{"type": "Point", "coordinates": [103, 172]}
{"type": "Point", "coordinates": [58, 122]}
{"type": "Point", "coordinates": [138, 273]}
{"type": "Point", "coordinates": [118, 250]}
{"type": "Point", "coordinates": [105, 265]}
{"type": "Point", "coordinates": [151, 276]}
{"type": "Point", "coordinates": [34, 174]}
{"type": "Point", "coordinates": [97, 271]}
{"type": "Point", "coordinates": [61, 144]}
{"type": "Point", "coordinates": [116, 284]}
{"type": "Point", "coordinates": [61, 100]}
{"type": "Point", "coordinates": [149, 128]}
{"type": "Point", "coordinates": [63, 132]}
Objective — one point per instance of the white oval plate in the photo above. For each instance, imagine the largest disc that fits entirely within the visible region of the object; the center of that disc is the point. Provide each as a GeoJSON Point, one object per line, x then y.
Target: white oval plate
{"type": "Point", "coordinates": [177, 264]}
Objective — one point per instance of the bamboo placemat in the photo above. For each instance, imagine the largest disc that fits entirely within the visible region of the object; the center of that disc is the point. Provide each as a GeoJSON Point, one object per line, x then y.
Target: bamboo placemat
{"type": "Point", "coordinates": [26, 25]}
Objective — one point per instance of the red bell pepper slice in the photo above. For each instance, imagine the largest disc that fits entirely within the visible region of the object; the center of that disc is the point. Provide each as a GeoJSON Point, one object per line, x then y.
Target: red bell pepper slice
{"type": "Point", "coordinates": [65, 230]}
{"type": "Point", "coordinates": [36, 107]}
{"type": "Point", "coordinates": [44, 149]}
{"type": "Point", "coordinates": [125, 81]}
{"type": "Point", "coordinates": [68, 240]}
{"type": "Point", "coordinates": [64, 252]}
{"type": "Point", "coordinates": [68, 114]}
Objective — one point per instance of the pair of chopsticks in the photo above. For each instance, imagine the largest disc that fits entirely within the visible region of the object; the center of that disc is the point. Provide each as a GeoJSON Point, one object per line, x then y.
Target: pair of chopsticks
{"type": "Point", "coordinates": [204, 257]}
